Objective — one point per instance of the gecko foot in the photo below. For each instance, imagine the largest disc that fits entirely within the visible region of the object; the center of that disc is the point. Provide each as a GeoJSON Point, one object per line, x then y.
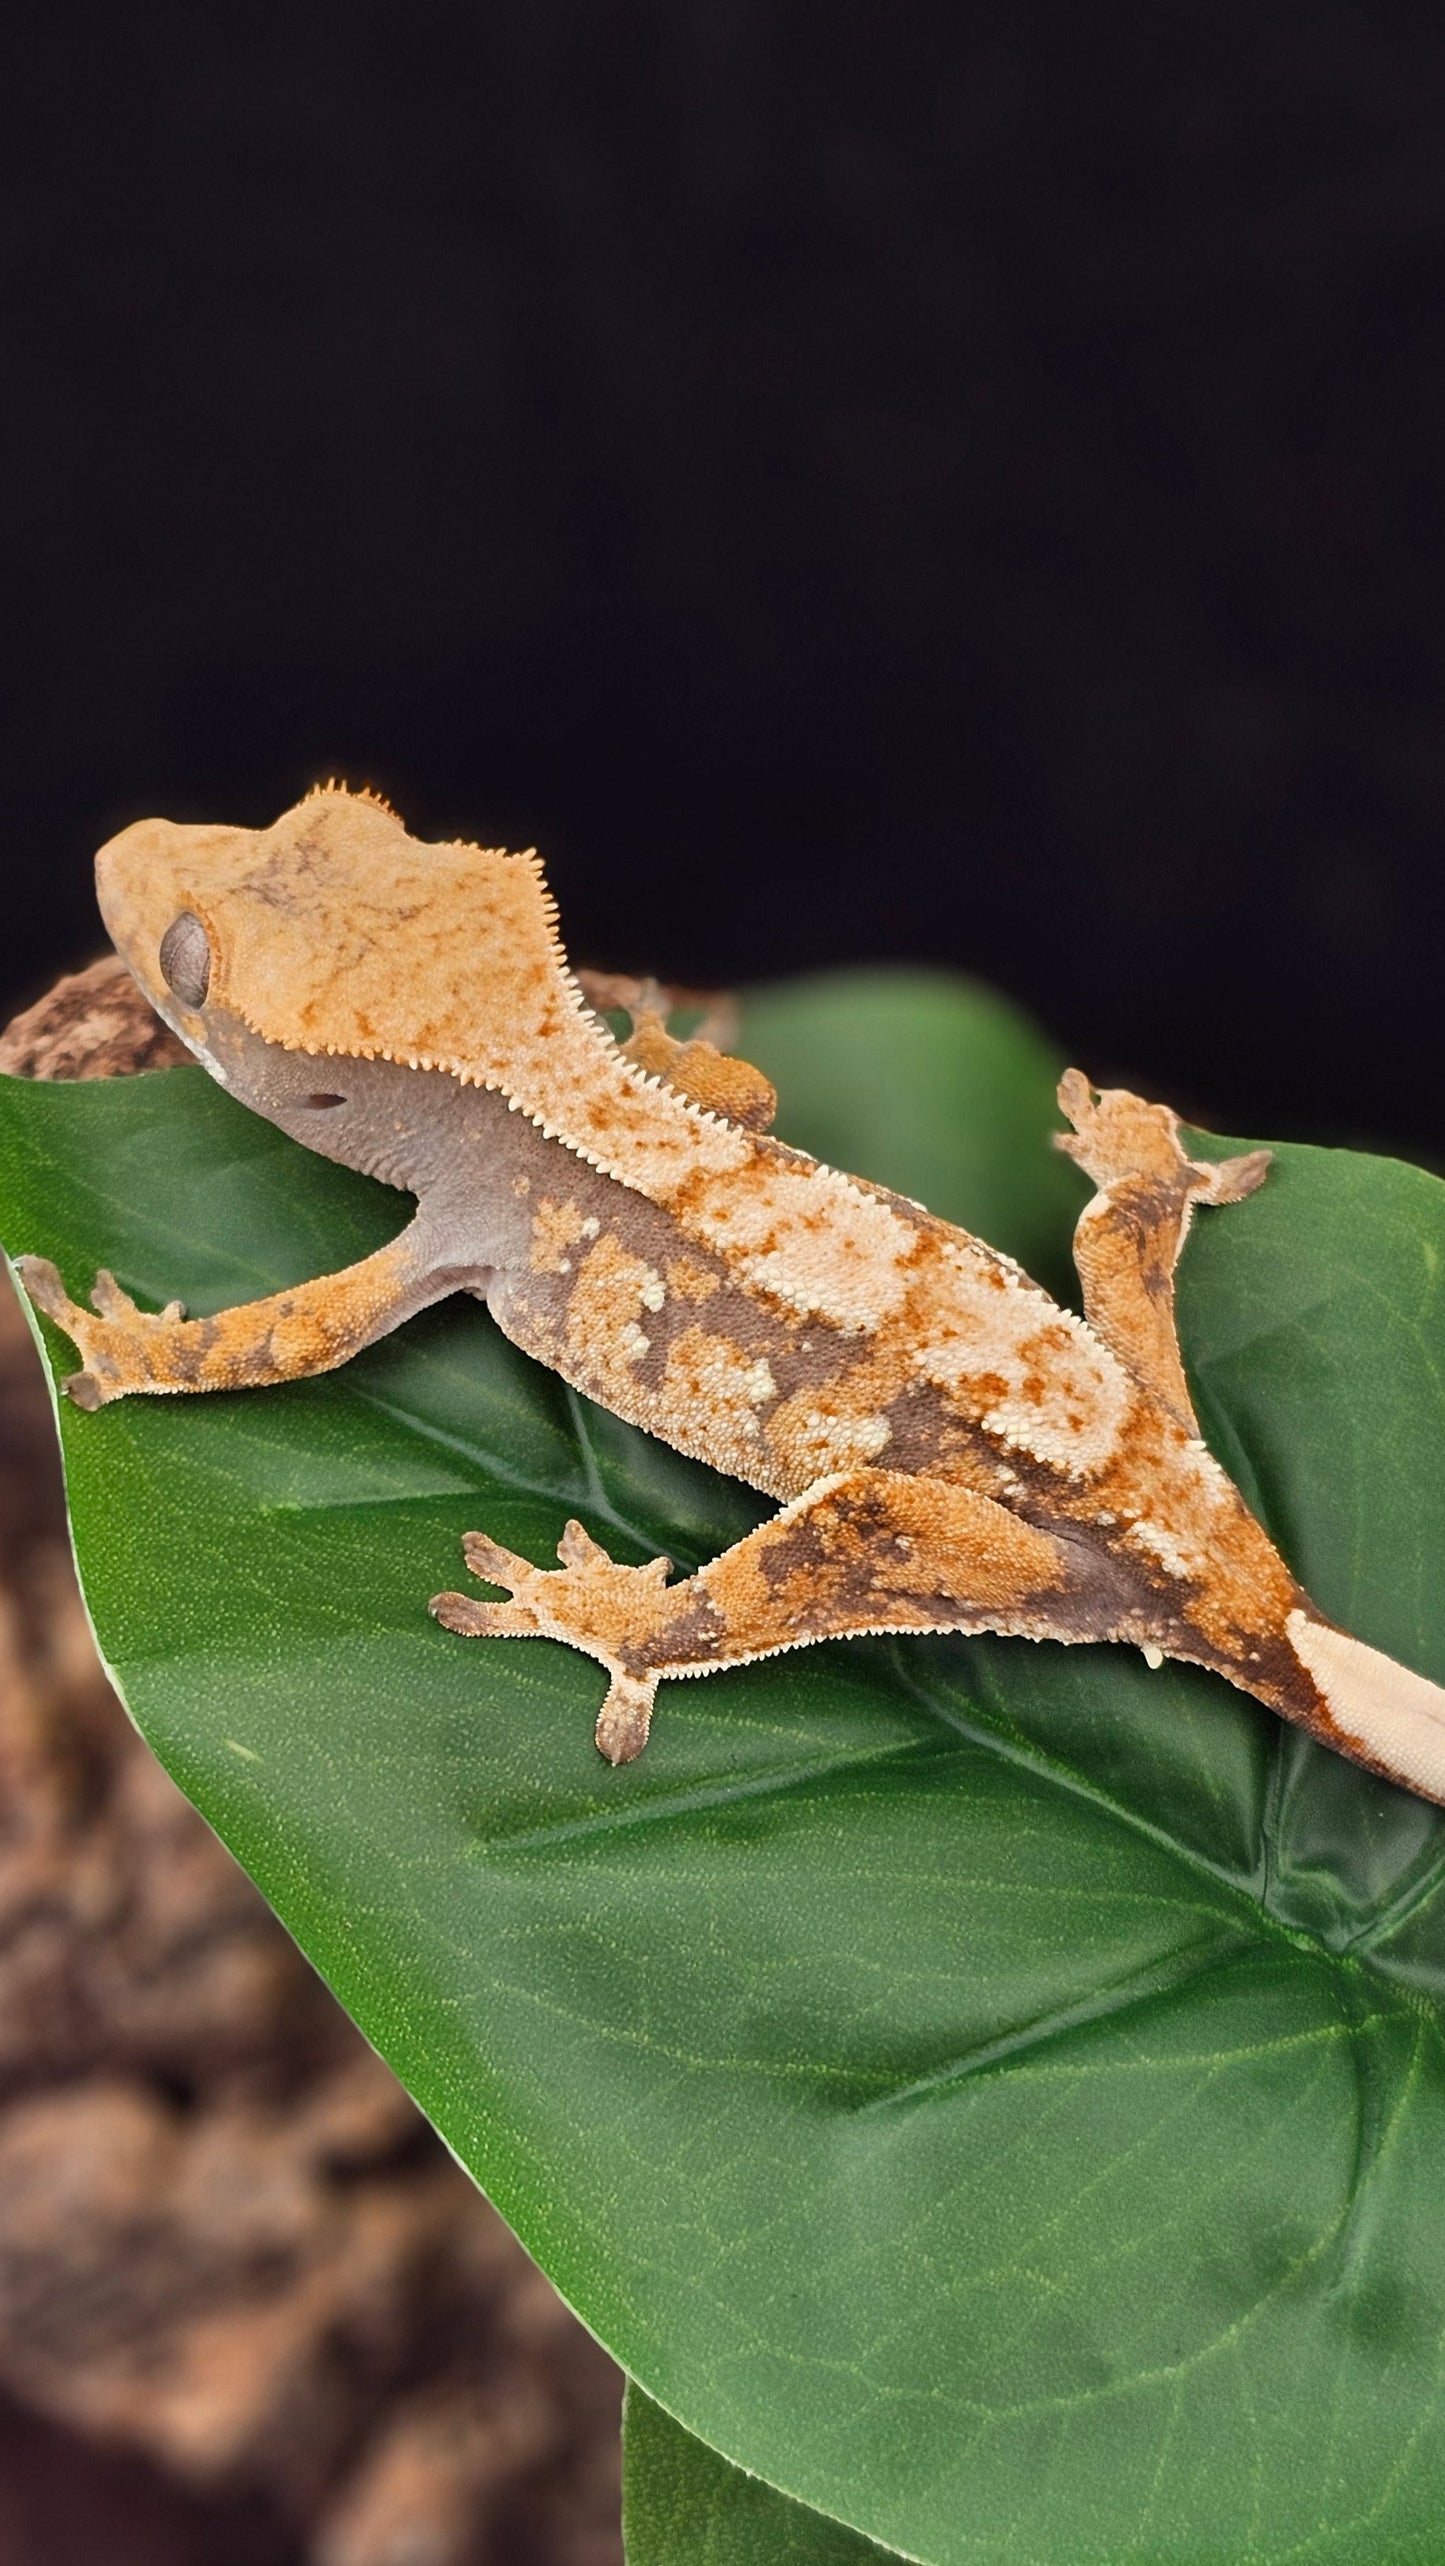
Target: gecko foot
{"type": "Point", "coordinates": [111, 1336]}
{"type": "Point", "coordinates": [1117, 1136]}
{"type": "Point", "coordinates": [592, 1602]}
{"type": "Point", "coordinates": [49, 1295]}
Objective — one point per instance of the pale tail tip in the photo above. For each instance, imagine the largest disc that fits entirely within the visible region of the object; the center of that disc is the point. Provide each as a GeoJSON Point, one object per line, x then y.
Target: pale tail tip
{"type": "Point", "coordinates": [1397, 1716]}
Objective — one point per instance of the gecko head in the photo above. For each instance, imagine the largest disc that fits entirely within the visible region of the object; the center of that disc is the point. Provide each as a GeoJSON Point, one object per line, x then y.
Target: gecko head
{"type": "Point", "coordinates": [157, 884]}
{"type": "Point", "coordinates": [334, 933]}
{"type": "Point", "coordinates": [186, 907]}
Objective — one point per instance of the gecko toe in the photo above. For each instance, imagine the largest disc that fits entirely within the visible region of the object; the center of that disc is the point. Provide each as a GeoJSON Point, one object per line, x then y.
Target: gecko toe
{"type": "Point", "coordinates": [487, 1558]}
{"type": "Point", "coordinates": [473, 1620]}
{"type": "Point", "coordinates": [1230, 1179]}
{"type": "Point", "coordinates": [577, 1549]}
{"type": "Point", "coordinates": [45, 1288]}
{"type": "Point", "coordinates": [625, 1718]}
{"type": "Point", "coordinates": [108, 1297]}
{"type": "Point", "coordinates": [1076, 1098]}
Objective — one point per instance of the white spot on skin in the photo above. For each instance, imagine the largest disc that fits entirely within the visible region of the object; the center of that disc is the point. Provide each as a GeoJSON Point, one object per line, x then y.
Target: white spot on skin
{"type": "Point", "coordinates": [653, 1293]}
{"type": "Point", "coordinates": [1397, 1715]}
{"type": "Point", "coordinates": [814, 1440]}
{"type": "Point", "coordinates": [590, 1226]}
{"type": "Point", "coordinates": [1161, 1544]}
{"type": "Point", "coordinates": [634, 1344]}
{"type": "Point", "coordinates": [709, 1377]}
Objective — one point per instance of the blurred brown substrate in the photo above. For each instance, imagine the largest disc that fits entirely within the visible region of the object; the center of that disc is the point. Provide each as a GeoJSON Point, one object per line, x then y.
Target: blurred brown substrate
{"type": "Point", "coordinates": [251, 2314]}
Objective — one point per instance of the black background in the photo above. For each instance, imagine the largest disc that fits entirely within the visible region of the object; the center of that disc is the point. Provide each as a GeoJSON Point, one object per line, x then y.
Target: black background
{"type": "Point", "coordinates": [846, 480]}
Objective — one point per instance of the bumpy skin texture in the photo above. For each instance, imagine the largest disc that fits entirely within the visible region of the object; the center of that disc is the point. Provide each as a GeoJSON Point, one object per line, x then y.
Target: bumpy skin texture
{"type": "Point", "coordinates": [950, 1449]}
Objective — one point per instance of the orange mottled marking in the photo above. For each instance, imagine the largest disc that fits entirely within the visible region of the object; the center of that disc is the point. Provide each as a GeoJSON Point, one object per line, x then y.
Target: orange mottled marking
{"type": "Point", "coordinates": [556, 1230]}
{"type": "Point", "coordinates": [605, 1331]}
{"type": "Point", "coordinates": [691, 1282]}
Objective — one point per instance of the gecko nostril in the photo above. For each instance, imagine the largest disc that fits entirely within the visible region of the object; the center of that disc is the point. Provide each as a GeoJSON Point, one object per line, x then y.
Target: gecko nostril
{"type": "Point", "coordinates": [322, 1104]}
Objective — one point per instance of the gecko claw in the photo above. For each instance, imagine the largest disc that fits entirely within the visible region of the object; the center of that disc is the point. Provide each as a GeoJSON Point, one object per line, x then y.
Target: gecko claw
{"type": "Point", "coordinates": [83, 1391]}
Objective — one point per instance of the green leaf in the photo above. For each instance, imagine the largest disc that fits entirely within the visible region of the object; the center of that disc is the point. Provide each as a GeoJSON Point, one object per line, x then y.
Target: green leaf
{"type": "Point", "coordinates": [992, 2092]}
{"type": "Point", "coordinates": [685, 2505]}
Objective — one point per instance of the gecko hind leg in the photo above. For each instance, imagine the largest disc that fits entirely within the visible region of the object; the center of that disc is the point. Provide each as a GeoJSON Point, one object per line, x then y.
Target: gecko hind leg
{"type": "Point", "coordinates": [1128, 1239]}
{"type": "Point", "coordinates": [870, 1550]}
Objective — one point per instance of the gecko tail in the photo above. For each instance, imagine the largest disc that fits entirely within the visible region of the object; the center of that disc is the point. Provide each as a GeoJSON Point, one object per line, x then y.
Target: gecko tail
{"type": "Point", "coordinates": [1386, 1714]}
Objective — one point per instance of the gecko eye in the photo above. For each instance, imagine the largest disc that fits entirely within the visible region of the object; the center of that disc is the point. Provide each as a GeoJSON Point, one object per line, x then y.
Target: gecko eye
{"type": "Point", "coordinates": [186, 959]}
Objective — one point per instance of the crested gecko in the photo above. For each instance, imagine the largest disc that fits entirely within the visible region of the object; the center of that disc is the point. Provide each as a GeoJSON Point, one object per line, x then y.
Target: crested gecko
{"type": "Point", "coordinates": [949, 1448]}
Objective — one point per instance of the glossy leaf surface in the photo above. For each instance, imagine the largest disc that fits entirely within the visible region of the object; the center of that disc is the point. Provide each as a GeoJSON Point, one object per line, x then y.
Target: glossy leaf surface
{"type": "Point", "coordinates": [993, 2092]}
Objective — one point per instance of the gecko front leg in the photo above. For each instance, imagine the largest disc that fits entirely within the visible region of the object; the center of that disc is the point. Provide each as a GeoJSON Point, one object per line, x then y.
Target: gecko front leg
{"type": "Point", "coordinates": [870, 1550]}
{"type": "Point", "coordinates": [1129, 1237]}
{"type": "Point", "coordinates": [311, 1327]}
